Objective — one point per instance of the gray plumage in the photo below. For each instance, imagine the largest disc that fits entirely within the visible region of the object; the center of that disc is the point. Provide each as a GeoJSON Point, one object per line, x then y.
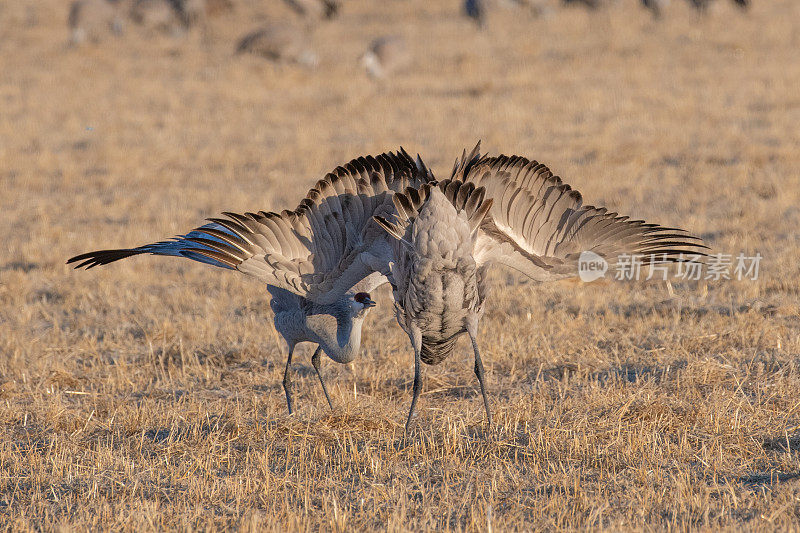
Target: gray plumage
{"type": "Point", "coordinates": [435, 277]}
{"type": "Point", "coordinates": [591, 4]}
{"type": "Point", "coordinates": [314, 9]}
{"type": "Point", "coordinates": [93, 20]}
{"type": "Point", "coordinates": [193, 13]}
{"type": "Point", "coordinates": [386, 55]}
{"type": "Point", "coordinates": [434, 273]}
{"type": "Point", "coordinates": [280, 43]}
{"type": "Point", "coordinates": [655, 7]}
{"type": "Point", "coordinates": [703, 5]}
{"type": "Point", "coordinates": [500, 210]}
{"type": "Point", "coordinates": [319, 261]}
{"type": "Point", "coordinates": [476, 10]}
{"type": "Point", "coordinates": [158, 15]}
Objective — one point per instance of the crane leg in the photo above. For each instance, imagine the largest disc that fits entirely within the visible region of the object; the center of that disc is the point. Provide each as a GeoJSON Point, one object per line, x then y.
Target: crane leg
{"type": "Point", "coordinates": [287, 380]}
{"type": "Point", "coordinates": [479, 373]}
{"type": "Point", "coordinates": [315, 363]}
{"type": "Point", "coordinates": [416, 342]}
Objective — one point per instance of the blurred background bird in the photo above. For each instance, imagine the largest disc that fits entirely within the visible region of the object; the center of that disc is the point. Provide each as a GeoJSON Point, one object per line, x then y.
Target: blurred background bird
{"type": "Point", "coordinates": [386, 55]}
{"type": "Point", "coordinates": [281, 43]}
{"type": "Point", "coordinates": [94, 20]}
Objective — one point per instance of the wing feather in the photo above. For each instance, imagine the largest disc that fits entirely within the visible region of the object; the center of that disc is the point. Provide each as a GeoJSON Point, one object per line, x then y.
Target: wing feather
{"type": "Point", "coordinates": [539, 226]}
{"type": "Point", "coordinates": [320, 250]}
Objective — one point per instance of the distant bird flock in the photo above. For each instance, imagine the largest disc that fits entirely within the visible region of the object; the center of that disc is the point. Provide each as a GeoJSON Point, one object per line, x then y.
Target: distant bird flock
{"type": "Point", "coordinates": [387, 219]}
{"type": "Point", "coordinates": [289, 40]}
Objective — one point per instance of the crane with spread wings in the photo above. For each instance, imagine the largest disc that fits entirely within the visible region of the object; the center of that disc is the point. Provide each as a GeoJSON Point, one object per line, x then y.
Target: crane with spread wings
{"type": "Point", "coordinates": [320, 261]}
{"type": "Point", "coordinates": [501, 210]}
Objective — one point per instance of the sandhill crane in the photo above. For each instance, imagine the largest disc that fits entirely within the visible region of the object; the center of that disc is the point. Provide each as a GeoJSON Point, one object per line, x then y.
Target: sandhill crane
{"type": "Point", "coordinates": [320, 261]}
{"type": "Point", "coordinates": [479, 10]}
{"type": "Point", "coordinates": [434, 274]}
{"type": "Point", "coordinates": [158, 15]}
{"type": "Point", "coordinates": [193, 13]}
{"type": "Point", "coordinates": [170, 16]}
{"type": "Point", "coordinates": [314, 9]}
{"type": "Point", "coordinates": [591, 4]}
{"type": "Point", "coordinates": [497, 210]}
{"type": "Point", "coordinates": [655, 6]}
{"type": "Point", "coordinates": [279, 43]}
{"type": "Point", "coordinates": [702, 5]}
{"type": "Point", "coordinates": [476, 10]}
{"type": "Point", "coordinates": [92, 20]}
{"type": "Point", "coordinates": [386, 55]}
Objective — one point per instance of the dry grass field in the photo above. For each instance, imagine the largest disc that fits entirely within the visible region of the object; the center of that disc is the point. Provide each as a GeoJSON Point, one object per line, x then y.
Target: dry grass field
{"type": "Point", "coordinates": [147, 395]}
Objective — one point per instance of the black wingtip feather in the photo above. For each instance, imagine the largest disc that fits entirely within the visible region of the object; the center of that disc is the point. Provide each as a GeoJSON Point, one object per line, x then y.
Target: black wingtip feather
{"type": "Point", "coordinates": [102, 257]}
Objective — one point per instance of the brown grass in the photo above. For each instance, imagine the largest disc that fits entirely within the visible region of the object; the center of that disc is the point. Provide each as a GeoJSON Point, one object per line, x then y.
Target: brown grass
{"type": "Point", "coordinates": [146, 395]}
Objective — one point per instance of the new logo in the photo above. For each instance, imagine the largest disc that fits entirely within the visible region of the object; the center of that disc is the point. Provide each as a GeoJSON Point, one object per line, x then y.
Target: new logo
{"type": "Point", "coordinates": [591, 266]}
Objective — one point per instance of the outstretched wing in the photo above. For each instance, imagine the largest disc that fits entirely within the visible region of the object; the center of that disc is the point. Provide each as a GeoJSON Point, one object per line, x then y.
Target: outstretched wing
{"type": "Point", "coordinates": [539, 225]}
{"type": "Point", "coordinates": [321, 250]}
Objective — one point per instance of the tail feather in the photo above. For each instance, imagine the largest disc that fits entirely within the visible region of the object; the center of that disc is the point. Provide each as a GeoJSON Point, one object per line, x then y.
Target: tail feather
{"type": "Point", "coordinates": [434, 351]}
